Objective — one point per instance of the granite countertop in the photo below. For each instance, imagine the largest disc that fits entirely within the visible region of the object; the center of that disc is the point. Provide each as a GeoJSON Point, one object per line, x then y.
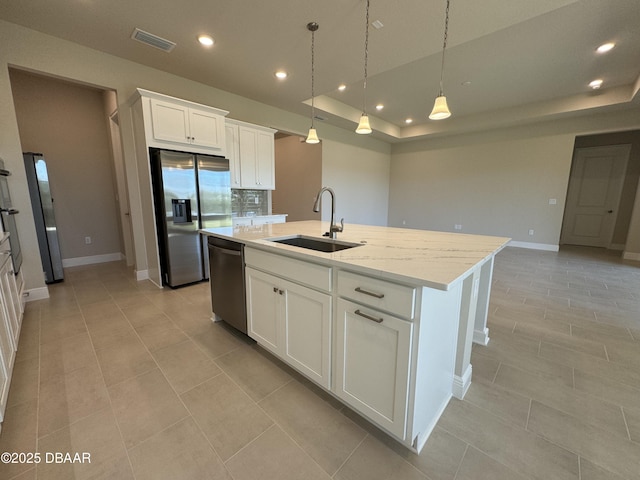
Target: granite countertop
{"type": "Point", "coordinates": [429, 258]}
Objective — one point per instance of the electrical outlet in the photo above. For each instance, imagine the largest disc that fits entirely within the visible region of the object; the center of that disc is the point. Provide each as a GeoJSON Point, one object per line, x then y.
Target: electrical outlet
{"type": "Point", "coordinates": [457, 226]}
{"type": "Point", "coordinates": [552, 201]}
{"type": "Point", "coordinates": [87, 240]}
{"type": "Point", "coordinates": [404, 222]}
{"type": "Point", "coordinates": [531, 231]}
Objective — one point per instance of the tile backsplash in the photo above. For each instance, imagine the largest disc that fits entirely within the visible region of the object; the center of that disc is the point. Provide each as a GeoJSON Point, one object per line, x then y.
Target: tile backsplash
{"type": "Point", "coordinates": [247, 203]}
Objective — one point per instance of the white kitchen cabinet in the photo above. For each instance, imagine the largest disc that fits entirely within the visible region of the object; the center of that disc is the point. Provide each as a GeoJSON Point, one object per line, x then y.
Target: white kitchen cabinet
{"type": "Point", "coordinates": [233, 153]}
{"type": "Point", "coordinates": [292, 321]}
{"type": "Point", "coordinates": [256, 157]}
{"type": "Point", "coordinates": [373, 354]}
{"type": "Point", "coordinates": [178, 124]}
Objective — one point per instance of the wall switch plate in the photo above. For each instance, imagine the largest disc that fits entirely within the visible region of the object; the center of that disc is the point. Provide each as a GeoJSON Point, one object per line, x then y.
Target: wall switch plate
{"type": "Point", "coordinates": [457, 226]}
{"type": "Point", "coordinates": [531, 232]}
{"type": "Point", "coordinates": [87, 240]}
{"type": "Point", "coordinates": [552, 201]}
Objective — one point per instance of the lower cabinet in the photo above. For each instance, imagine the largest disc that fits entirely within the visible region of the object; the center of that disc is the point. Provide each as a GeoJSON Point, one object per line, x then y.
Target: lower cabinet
{"type": "Point", "coordinates": [292, 321]}
{"type": "Point", "coordinates": [373, 354]}
{"type": "Point", "coordinates": [10, 319]}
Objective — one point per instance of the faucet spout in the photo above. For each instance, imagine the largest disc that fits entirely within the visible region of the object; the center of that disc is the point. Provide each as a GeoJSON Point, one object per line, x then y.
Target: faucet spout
{"type": "Point", "coordinates": [333, 229]}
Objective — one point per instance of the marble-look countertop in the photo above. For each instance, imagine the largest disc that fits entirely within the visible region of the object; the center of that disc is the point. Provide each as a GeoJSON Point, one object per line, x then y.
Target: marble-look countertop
{"type": "Point", "coordinates": [429, 258]}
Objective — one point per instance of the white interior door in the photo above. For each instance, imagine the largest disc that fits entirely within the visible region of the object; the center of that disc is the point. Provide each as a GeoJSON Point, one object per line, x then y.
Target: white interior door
{"type": "Point", "coordinates": [595, 185]}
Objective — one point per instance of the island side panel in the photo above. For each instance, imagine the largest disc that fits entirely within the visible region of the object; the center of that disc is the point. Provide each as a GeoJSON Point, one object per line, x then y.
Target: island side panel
{"type": "Point", "coordinates": [467, 317]}
{"type": "Point", "coordinates": [480, 331]}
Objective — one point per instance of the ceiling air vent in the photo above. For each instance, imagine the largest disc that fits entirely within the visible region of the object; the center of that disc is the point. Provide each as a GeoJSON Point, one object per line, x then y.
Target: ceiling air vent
{"type": "Point", "coordinates": [152, 40]}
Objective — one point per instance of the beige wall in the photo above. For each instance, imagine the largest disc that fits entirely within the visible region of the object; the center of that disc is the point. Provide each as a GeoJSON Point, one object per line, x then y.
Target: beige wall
{"type": "Point", "coordinates": [497, 182]}
{"type": "Point", "coordinates": [31, 50]}
{"type": "Point", "coordinates": [298, 178]}
{"type": "Point", "coordinates": [66, 123]}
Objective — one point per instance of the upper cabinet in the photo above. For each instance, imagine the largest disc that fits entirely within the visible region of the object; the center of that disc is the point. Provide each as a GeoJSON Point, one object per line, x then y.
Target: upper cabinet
{"type": "Point", "coordinates": [177, 124]}
{"type": "Point", "coordinates": [250, 149]}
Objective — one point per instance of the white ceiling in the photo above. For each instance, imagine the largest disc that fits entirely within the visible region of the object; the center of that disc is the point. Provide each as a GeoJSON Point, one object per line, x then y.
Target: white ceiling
{"type": "Point", "coordinates": [525, 60]}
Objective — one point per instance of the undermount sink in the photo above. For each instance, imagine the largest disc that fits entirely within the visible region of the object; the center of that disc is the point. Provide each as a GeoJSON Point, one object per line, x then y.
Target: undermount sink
{"type": "Point", "coordinates": [312, 243]}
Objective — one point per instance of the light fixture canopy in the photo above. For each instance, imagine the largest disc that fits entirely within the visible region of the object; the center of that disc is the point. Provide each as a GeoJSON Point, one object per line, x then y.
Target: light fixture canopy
{"type": "Point", "coordinates": [363, 126]}
{"type": "Point", "coordinates": [206, 40]}
{"type": "Point", "coordinates": [605, 47]}
{"type": "Point", "coordinates": [440, 108]}
{"type": "Point", "coordinates": [596, 84]}
{"type": "Point", "coordinates": [312, 137]}
{"type": "Point", "coordinates": [281, 74]}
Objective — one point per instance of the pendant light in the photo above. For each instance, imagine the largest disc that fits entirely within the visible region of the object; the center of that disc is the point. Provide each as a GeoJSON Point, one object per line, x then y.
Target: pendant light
{"type": "Point", "coordinates": [312, 137]}
{"type": "Point", "coordinates": [363, 126]}
{"type": "Point", "coordinates": [440, 109]}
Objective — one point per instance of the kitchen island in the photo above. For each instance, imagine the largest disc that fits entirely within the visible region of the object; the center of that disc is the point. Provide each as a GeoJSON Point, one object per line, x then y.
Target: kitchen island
{"type": "Point", "coordinates": [385, 325]}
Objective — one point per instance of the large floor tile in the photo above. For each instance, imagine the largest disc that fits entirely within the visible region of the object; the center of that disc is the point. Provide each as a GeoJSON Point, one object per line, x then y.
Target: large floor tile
{"type": "Point", "coordinates": [25, 383]}
{"type": "Point", "coordinates": [110, 331]}
{"type": "Point", "coordinates": [216, 340]}
{"type": "Point", "coordinates": [372, 460]}
{"type": "Point", "coordinates": [255, 372]}
{"type": "Point", "coordinates": [124, 360]}
{"type": "Point", "coordinates": [159, 334]}
{"type": "Point", "coordinates": [185, 365]}
{"type": "Point", "coordinates": [57, 327]}
{"type": "Point", "coordinates": [67, 398]}
{"type": "Point", "coordinates": [599, 446]}
{"type": "Point", "coordinates": [274, 456]}
{"type": "Point", "coordinates": [502, 402]}
{"type": "Point", "coordinates": [96, 435]}
{"type": "Point", "coordinates": [66, 354]}
{"type": "Point", "coordinates": [178, 452]}
{"type": "Point", "coordinates": [478, 466]}
{"type": "Point", "coordinates": [323, 432]}
{"type": "Point", "coordinates": [226, 415]}
{"type": "Point", "coordinates": [145, 405]}
{"type": "Point", "coordinates": [19, 434]}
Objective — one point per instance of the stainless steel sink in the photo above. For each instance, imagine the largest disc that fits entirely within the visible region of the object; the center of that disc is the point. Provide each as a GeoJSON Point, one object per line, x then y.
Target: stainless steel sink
{"type": "Point", "coordinates": [312, 243]}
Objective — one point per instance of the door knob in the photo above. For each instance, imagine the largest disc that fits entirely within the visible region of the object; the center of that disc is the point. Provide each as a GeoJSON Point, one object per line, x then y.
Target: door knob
{"type": "Point", "coordinates": [610, 211]}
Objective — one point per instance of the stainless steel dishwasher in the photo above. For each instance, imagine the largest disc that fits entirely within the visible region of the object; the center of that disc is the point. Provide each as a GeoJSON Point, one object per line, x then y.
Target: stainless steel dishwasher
{"type": "Point", "coordinates": [226, 269]}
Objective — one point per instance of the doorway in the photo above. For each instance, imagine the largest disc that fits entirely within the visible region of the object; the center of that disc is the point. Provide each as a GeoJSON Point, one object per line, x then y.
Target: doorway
{"type": "Point", "coordinates": [593, 196]}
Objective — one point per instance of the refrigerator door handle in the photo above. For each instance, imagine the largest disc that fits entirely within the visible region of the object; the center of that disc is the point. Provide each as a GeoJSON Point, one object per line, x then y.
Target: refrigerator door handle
{"type": "Point", "coordinates": [9, 211]}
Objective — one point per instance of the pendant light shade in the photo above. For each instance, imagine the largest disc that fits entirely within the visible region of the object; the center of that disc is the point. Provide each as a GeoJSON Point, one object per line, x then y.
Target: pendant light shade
{"type": "Point", "coordinates": [363, 126]}
{"type": "Point", "coordinates": [312, 137]}
{"type": "Point", "coordinates": [440, 108]}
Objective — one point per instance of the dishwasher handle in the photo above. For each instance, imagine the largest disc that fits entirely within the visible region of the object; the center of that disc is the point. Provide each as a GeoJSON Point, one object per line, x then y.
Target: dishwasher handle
{"type": "Point", "coordinates": [227, 251]}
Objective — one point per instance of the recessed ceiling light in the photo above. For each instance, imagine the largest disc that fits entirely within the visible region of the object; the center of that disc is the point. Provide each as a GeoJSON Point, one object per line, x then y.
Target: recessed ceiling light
{"type": "Point", "coordinates": [408, 120]}
{"type": "Point", "coordinates": [205, 40]}
{"type": "Point", "coordinates": [605, 47]}
{"type": "Point", "coordinates": [281, 74]}
{"type": "Point", "coordinates": [377, 24]}
{"type": "Point", "coordinates": [596, 84]}
{"type": "Point", "coordinates": [342, 87]}
{"type": "Point", "coordinates": [379, 106]}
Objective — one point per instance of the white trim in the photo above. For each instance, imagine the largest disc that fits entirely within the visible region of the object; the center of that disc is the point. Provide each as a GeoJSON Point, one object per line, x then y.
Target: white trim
{"type": "Point", "coordinates": [77, 261]}
{"type": "Point", "coordinates": [534, 246]}
{"type": "Point", "coordinates": [34, 294]}
{"type": "Point", "coordinates": [481, 337]}
{"type": "Point", "coordinates": [631, 256]}
{"type": "Point", "coordinates": [142, 275]}
{"type": "Point", "coordinates": [462, 384]}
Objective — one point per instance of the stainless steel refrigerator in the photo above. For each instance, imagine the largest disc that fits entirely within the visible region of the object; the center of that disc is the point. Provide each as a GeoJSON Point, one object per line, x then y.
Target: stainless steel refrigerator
{"type": "Point", "coordinates": [190, 192]}
{"type": "Point", "coordinates": [43, 215]}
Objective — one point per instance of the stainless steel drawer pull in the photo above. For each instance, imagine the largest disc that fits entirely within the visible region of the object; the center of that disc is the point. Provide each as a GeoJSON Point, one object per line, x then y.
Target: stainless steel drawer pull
{"type": "Point", "coordinates": [368, 317]}
{"type": "Point", "coordinates": [371, 294]}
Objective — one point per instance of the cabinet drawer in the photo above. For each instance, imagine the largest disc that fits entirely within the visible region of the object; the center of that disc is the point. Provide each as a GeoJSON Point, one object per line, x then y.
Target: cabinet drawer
{"type": "Point", "coordinates": [304, 273]}
{"type": "Point", "coordinates": [383, 295]}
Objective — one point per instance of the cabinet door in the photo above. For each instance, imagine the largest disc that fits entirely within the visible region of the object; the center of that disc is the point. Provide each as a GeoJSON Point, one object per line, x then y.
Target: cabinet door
{"type": "Point", "coordinates": [7, 288]}
{"type": "Point", "coordinates": [372, 364]}
{"type": "Point", "coordinates": [170, 122]}
{"type": "Point", "coordinates": [233, 154]}
{"type": "Point", "coordinates": [263, 309]}
{"type": "Point", "coordinates": [207, 129]}
{"type": "Point", "coordinates": [307, 332]}
{"type": "Point", "coordinates": [248, 157]}
{"type": "Point", "coordinates": [7, 354]}
{"type": "Point", "coordinates": [265, 160]}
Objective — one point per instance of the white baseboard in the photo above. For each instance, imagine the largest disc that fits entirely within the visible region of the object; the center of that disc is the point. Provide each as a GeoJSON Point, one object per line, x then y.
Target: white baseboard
{"type": "Point", "coordinates": [77, 261]}
{"type": "Point", "coordinates": [631, 256]}
{"type": "Point", "coordinates": [481, 337]}
{"type": "Point", "coordinates": [462, 384]}
{"type": "Point", "coordinates": [534, 246]}
{"type": "Point", "coordinates": [142, 275]}
{"type": "Point", "coordinates": [34, 294]}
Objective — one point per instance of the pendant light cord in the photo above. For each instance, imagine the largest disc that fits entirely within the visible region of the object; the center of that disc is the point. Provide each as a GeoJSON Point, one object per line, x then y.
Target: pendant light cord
{"type": "Point", "coordinates": [444, 46]}
{"type": "Point", "coordinates": [366, 58]}
{"type": "Point", "coordinates": [313, 37]}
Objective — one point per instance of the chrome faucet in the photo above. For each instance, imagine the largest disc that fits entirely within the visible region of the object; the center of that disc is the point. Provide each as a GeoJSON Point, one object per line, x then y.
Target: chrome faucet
{"type": "Point", "coordinates": [333, 229]}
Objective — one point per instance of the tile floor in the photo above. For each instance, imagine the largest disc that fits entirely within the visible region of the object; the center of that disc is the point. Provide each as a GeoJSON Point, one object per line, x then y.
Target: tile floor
{"type": "Point", "coordinates": [144, 382]}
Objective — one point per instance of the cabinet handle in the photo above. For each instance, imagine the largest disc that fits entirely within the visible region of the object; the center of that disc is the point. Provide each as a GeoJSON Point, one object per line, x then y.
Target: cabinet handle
{"type": "Point", "coordinates": [371, 294]}
{"type": "Point", "coordinates": [280, 292]}
{"type": "Point", "coordinates": [368, 317]}
{"type": "Point", "coordinates": [275, 289]}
